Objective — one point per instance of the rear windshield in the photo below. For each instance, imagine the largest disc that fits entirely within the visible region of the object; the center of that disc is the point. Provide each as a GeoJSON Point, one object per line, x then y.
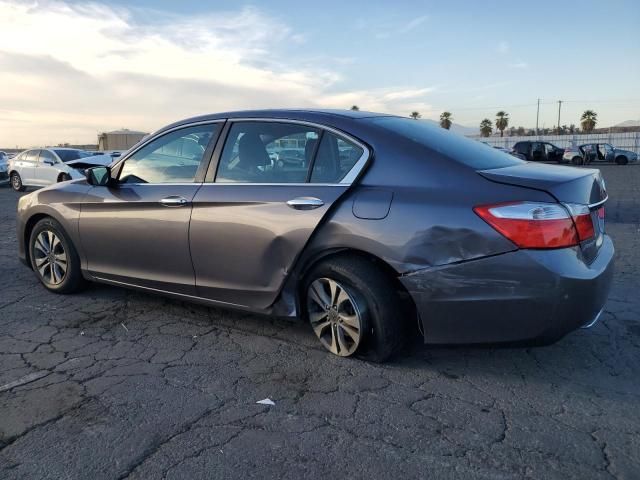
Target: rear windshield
{"type": "Point", "coordinates": [472, 153]}
{"type": "Point", "coordinates": [68, 155]}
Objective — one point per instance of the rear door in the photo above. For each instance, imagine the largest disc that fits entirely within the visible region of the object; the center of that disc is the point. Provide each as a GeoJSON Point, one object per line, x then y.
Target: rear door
{"type": "Point", "coordinates": [136, 231]}
{"type": "Point", "coordinates": [253, 215]}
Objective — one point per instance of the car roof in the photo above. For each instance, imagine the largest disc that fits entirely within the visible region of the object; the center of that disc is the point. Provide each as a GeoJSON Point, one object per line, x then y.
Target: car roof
{"type": "Point", "coordinates": [311, 115]}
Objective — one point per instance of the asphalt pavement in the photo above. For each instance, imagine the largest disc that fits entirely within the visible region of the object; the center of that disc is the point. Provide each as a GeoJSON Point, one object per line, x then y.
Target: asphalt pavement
{"type": "Point", "coordinates": [112, 383]}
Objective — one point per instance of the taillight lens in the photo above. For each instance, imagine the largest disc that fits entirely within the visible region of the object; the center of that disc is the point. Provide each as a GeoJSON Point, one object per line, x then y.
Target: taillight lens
{"type": "Point", "coordinates": [582, 218]}
{"type": "Point", "coordinates": [539, 225]}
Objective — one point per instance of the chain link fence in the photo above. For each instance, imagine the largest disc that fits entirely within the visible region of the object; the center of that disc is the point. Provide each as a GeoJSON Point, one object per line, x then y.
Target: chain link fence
{"type": "Point", "coordinates": [624, 140]}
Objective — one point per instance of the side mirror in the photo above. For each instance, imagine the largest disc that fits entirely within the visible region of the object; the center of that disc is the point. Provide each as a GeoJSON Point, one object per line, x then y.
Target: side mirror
{"type": "Point", "coordinates": [98, 176]}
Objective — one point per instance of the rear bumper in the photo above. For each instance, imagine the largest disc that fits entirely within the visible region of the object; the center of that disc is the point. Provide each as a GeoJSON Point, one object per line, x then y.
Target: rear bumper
{"type": "Point", "coordinates": [517, 296]}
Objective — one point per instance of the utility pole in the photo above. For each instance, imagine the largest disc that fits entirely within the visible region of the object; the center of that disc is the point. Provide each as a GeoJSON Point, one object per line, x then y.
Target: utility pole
{"type": "Point", "coordinates": [559, 106]}
{"type": "Point", "coordinates": [537, 117]}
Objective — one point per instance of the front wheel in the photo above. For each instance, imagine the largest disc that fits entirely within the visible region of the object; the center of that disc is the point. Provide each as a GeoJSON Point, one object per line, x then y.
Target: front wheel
{"type": "Point", "coordinates": [63, 177]}
{"type": "Point", "coordinates": [16, 182]}
{"type": "Point", "coordinates": [354, 309]}
{"type": "Point", "coordinates": [53, 257]}
{"type": "Point", "coordinates": [577, 161]}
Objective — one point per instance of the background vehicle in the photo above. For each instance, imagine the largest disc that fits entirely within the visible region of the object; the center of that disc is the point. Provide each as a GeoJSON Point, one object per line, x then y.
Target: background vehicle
{"type": "Point", "coordinates": [539, 151]}
{"type": "Point", "coordinates": [506, 150]}
{"type": "Point", "coordinates": [414, 222]}
{"type": "Point", "coordinates": [4, 168]}
{"type": "Point", "coordinates": [599, 152]}
{"type": "Point", "coordinates": [43, 166]}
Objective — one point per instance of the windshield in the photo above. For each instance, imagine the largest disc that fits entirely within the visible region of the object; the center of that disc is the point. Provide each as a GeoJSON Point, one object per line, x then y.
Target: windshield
{"type": "Point", "coordinates": [68, 155]}
{"type": "Point", "coordinates": [463, 150]}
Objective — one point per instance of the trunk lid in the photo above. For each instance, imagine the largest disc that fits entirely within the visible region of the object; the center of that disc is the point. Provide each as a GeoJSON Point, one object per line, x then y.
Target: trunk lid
{"type": "Point", "coordinates": [584, 186]}
{"type": "Point", "coordinates": [567, 184]}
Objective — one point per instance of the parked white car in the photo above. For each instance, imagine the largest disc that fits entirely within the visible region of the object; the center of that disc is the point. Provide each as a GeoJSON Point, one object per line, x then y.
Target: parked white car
{"type": "Point", "coordinates": [43, 166]}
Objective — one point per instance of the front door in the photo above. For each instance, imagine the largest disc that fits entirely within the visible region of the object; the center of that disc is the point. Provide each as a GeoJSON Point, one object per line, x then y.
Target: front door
{"type": "Point", "coordinates": [46, 171]}
{"type": "Point", "coordinates": [27, 167]}
{"type": "Point", "coordinates": [137, 231]}
{"type": "Point", "coordinates": [251, 221]}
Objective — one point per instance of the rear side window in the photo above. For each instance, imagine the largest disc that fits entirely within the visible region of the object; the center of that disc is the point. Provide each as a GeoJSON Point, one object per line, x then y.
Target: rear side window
{"type": "Point", "coordinates": [521, 147]}
{"type": "Point", "coordinates": [334, 159]}
{"type": "Point", "coordinates": [267, 152]}
{"type": "Point", "coordinates": [456, 147]}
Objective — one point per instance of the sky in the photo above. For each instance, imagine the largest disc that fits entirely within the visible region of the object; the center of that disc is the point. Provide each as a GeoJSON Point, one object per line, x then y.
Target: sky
{"type": "Point", "coordinates": [70, 69]}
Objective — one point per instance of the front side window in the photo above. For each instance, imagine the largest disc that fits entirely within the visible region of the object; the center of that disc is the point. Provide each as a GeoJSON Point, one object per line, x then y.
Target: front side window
{"type": "Point", "coordinates": [267, 152]}
{"type": "Point", "coordinates": [31, 156]}
{"type": "Point", "coordinates": [334, 159]}
{"type": "Point", "coordinates": [172, 158]}
{"type": "Point", "coordinates": [47, 157]}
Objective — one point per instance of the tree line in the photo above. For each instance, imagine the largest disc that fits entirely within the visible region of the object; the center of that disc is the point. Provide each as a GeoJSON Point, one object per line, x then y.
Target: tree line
{"type": "Point", "coordinates": [588, 122]}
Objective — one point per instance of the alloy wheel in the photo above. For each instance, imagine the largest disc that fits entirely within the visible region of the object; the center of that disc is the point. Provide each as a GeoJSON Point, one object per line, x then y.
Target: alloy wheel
{"type": "Point", "coordinates": [50, 257]}
{"type": "Point", "coordinates": [16, 181]}
{"type": "Point", "coordinates": [334, 316]}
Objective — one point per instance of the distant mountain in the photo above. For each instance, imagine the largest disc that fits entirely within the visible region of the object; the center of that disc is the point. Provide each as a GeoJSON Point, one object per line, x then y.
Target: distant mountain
{"type": "Point", "coordinates": [629, 123]}
{"type": "Point", "coordinates": [456, 128]}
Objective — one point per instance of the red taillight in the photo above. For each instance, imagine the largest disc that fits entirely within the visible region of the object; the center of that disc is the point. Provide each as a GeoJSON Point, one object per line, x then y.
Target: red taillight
{"type": "Point", "coordinates": [538, 225]}
{"type": "Point", "coordinates": [582, 218]}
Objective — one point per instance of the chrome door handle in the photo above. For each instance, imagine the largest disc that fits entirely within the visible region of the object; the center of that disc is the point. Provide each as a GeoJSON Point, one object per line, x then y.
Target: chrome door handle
{"type": "Point", "coordinates": [174, 201]}
{"type": "Point", "coordinates": [305, 203]}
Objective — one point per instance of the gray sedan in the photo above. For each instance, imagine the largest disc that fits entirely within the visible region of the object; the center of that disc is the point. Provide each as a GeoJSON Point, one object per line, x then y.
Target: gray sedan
{"type": "Point", "coordinates": [389, 227]}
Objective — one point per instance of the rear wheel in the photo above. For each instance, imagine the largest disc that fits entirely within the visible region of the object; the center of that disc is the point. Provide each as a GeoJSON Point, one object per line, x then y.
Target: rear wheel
{"type": "Point", "coordinates": [354, 309]}
{"type": "Point", "coordinates": [577, 161]}
{"type": "Point", "coordinates": [53, 257]}
{"type": "Point", "coordinates": [622, 160]}
{"type": "Point", "coordinates": [16, 182]}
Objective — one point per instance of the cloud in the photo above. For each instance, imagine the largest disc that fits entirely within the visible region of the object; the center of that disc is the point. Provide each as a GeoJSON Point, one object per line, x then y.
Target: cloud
{"type": "Point", "coordinates": [416, 22]}
{"type": "Point", "coordinates": [519, 64]}
{"type": "Point", "coordinates": [387, 29]}
{"type": "Point", "coordinates": [71, 70]}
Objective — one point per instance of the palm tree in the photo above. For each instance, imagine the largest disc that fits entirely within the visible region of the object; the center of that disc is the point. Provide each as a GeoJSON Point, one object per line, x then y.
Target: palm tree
{"type": "Point", "coordinates": [588, 120]}
{"type": "Point", "coordinates": [355, 107]}
{"type": "Point", "coordinates": [415, 115]}
{"type": "Point", "coordinates": [486, 127]}
{"type": "Point", "coordinates": [446, 120]}
{"type": "Point", "coordinates": [502, 121]}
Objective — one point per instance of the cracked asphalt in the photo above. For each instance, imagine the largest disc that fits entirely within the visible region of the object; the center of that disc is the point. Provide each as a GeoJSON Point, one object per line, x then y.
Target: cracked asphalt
{"type": "Point", "coordinates": [113, 383]}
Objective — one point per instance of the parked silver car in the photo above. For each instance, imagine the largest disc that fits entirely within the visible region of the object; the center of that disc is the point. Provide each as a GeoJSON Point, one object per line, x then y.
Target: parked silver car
{"type": "Point", "coordinates": [44, 166]}
{"type": "Point", "coordinates": [598, 152]}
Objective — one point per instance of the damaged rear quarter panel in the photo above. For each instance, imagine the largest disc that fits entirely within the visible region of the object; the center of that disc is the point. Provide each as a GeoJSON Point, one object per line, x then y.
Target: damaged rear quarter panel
{"type": "Point", "coordinates": [425, 227]}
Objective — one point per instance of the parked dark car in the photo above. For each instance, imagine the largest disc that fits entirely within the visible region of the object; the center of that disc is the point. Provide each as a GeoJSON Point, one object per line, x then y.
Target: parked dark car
{"type": "Point", "coordinates": [506, 150]}
{"type": "Point", "coordinates": [539, 151]}
{"type": "Point", "coordinates": [598, 152]}
{"type": "Point", "coordinates": [393, 222]}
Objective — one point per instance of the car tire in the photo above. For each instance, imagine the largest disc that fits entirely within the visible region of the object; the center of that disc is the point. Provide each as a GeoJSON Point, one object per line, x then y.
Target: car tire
{"type": "Point", "coordinates": [63, 177]}
{"type": "Point", "coordinates": [54, 258]}
{"type": "Point", "coordinates": [622, 160]}
{"type": "Point", "coordinates": [369, 305]}
{"type": "Point", "coordinates": [577, 161]}
{"type": "Point", "coordinates": [16, 182]}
